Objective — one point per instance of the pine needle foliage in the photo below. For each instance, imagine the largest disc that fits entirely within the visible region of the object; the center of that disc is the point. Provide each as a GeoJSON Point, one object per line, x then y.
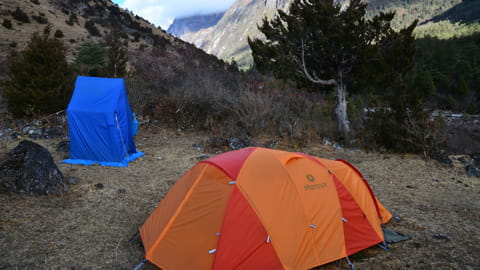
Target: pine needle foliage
{"type": "Point", "coordinates": [40, 79]}
{"type": "Point", "coordinates": [117, 56]}
{"type": "Point", "coordinates": [321, 44]}
{"type": "Point", "coordinates": [91, 59]}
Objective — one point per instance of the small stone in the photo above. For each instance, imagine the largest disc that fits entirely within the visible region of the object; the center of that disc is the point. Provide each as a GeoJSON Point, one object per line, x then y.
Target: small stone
{"type": "Point", "coordinates": [409, 186]}
{"type": "Point", "coordinates": [73, 180]}
{"type": "Point", "coordinates": [238, 143]}
{"type": "Point", "coordinates": [198, 147]}
{"type": "Point", "coordinates": [272, 144]}
{"type": "Point", "coordinates": [439, 236]}
{"type": "Point", "coordinates": [202, 157]}
{"type": "Point", "coordinates": [63, 147]}
{"type": "Point", "coordinates": [337, 146]}
{"type": "Point", "coordinates": [99, 185]}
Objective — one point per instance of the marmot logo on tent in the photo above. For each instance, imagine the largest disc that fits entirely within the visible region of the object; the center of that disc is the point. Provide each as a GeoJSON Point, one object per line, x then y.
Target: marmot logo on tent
{"type": "Point", "coordinates": [316, 186]}
{"type": "Point", "coordinates": [310, 178]}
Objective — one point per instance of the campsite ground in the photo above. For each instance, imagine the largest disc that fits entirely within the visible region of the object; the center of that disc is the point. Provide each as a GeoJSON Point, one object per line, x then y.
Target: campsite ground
{"type": "Point", "coordinates": [89, 226]}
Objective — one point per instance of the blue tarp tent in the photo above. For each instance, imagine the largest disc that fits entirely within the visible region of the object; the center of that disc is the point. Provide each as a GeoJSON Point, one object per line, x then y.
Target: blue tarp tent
{"type": "Point", "coordinates": [100, 123]}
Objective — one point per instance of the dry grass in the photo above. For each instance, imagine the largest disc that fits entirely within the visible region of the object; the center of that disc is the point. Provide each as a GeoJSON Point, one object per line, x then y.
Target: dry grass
{"type": "Point", "coordinates": [89, 227]}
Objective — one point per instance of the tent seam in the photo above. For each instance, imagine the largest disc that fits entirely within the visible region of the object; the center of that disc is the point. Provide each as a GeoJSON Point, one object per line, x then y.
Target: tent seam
{"type": "Point", "coordinates": [296, 192]}
{"type": "Point", "coordinates": [334, 178]}
{"type": "Point", "coordinates": [369, 188]}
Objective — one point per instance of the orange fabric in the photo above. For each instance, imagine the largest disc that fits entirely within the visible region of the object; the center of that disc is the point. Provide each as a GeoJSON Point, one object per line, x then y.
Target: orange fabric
{"type": "Point", "coordinates": [167, 208]}
{"type": "Point", "coordinates": [289, 206]}
{"type": "Point", "coordinates": [355, 184]}
{"type": "Point", "coordinates": [313, 211]}
{"type": "Point", "coordinates": [384, 213]}
{"type": "Point", "coordinates": [191, 232]}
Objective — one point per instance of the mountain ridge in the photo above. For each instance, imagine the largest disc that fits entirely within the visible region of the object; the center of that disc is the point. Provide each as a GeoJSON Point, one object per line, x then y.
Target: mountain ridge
{"type": "Point", "coordinates": [228, 38]}
{"type": "Point", "coordinates": [181, 26]}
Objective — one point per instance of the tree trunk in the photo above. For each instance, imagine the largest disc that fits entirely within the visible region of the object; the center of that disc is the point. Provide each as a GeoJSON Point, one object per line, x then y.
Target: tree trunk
{"type": "Point", "coordinates": [341, 110]}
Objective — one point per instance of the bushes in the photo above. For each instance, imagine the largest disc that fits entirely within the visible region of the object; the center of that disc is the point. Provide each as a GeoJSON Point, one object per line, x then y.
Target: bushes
{"type": "Point", "coordinates": [247, 109]}
{"type": "Point", "coordinates": [400, 122]}
{"type": "Point", "coordinates": [92, 29]}
{"type": "Point", "coordinates": [40, 80]}
{"type": "Point", "coordinates": [72, 19]}
{"type": "Point", "coordinates": [58, 33]}
{"type": "Point", "coordinates": [7, 24]}
{"type": "Point", "coordinates": [40, 19]}
{"type": "Point", "coordinates": [20, 16]}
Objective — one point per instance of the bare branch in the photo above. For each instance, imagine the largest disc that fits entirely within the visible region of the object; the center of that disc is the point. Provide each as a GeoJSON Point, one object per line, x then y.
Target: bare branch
{"type": "Point", "coordinates": [314, 78]}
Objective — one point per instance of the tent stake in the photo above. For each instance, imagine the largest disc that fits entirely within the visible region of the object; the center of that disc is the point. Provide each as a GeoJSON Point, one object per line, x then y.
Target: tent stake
{"type": "Point", "coordinates": [140, 265]}
{"type": "Point", "coordinates": [352, 267]}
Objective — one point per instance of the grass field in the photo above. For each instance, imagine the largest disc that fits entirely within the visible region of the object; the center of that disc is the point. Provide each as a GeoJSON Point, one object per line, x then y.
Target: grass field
{"type": "Point", "coordinates": [89, 226]}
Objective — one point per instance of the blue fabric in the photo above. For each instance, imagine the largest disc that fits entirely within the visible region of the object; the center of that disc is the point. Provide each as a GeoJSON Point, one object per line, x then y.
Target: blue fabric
{"type": "Point", "coordinates": [100, 123]}
{"type": "Point", "coordinates": [123, 163]}
{"type": "Point", "coordinates": [134, 125]}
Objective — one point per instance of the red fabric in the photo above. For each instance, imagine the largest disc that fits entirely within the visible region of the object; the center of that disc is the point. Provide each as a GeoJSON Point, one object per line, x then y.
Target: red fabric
{"type": "Point", "coordinates": [242, 242]}
{"type": "Point", "coordinates": [231, 162]}
{"type": "Point", "coordinates": [366, 183]}
{"type": "Point", "coordinates": [359, 234]}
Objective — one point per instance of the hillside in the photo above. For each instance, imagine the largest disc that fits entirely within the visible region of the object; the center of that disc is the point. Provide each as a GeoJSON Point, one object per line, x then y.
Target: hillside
{"type": "Point", "coordinates": [88, 20]}
{"type": "Point", "coordinates": [228, 38]}
{"type": "Point", "coordinates": [466, 12]}
{"type": "Point", "coordinates": [70, 17]}
{"type": "Point", "coordinates": [157, 61]}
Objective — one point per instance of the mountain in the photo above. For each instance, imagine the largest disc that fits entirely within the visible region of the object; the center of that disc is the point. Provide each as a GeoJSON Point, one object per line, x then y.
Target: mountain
{"type": "Point", "coordinates": [227, 39]}
{"type": "Point", "coordinates": [467, 11]}
{"type": "Point", "coordinates": [181, 26]}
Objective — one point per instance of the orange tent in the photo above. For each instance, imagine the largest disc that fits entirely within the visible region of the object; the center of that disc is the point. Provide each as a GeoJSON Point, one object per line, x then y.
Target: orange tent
{"type": "Point", "coordinates": [259, 208]}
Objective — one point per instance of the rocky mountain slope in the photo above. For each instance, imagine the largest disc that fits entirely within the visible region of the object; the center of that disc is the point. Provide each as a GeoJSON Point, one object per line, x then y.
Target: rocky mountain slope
{"type": "Point", "coordinates": [78, 21]}
{"type": "Point", "coordinates": [228, 38]}
{"type": "Point", "coordinates": [182, 26]}
{"type": "Point", "coordinates": [157, 61]}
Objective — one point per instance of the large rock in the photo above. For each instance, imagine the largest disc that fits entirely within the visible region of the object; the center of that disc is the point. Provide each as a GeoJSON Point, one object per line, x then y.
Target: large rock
{"type": "Point", "coordinates": [29, 168]}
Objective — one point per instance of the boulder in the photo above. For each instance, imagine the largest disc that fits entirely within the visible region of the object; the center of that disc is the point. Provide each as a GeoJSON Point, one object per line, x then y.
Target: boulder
{"type": "Point", "coordinates": [29, 169]}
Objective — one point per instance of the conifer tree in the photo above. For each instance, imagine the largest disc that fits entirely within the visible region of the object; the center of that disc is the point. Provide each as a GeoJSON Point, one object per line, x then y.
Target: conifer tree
{"type": "Point", "coordinates": [91, 59]}
{"type": "Point", "coordinates": [40, 79]}
{"type": "Point", "coordinates": [117, 56]}
{"type": "Point", "coordinates": [323, 43]}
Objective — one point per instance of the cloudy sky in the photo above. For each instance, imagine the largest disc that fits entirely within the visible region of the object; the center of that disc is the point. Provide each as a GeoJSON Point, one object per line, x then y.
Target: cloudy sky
{"type": "Point", "coordinates": [162, 12]}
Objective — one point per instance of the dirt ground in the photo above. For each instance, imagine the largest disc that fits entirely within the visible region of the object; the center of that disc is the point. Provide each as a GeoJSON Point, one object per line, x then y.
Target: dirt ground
{"type": "Point", "coordinates": [89, 226]}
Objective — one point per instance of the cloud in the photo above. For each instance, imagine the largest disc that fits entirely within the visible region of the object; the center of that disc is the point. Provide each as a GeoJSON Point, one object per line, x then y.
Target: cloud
{"type": "Point", "coordinates": [162, 12]}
